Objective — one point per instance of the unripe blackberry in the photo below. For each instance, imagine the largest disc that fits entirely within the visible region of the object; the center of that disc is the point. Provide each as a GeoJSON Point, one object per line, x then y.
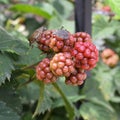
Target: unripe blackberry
{"type": "Point", "coordinates": [36, 34]}
{"type": "Point", "coordinates": [106, 8]}
{"type": "Point", "coordinates": [82, 37]}
{"type": "Point", "coordinates": [112, 61]}
{"type": "Point", "coordinates": [76, 79]}
{"type": "Point", "coordinates": [109, 57]}
{"type": "Point", "coordinates": [44, 40]}
{"type": "Point", "coordinates": [106, 53]}
{"type": "Point", "coordinates": [58, 41]}
{"type": "Point", "coordinates": [85, 55]}
{"type": "Point", "coordinates": [42, 37]}
{"type": "Point", "coordinates": [69, 43]}
{"type": "Point", "coordinates": [43, 72]}
{"type": "Point", "coordinates": [62, 64]}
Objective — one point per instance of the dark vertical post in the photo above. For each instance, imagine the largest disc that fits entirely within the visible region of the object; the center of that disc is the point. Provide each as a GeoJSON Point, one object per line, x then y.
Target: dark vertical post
{"type": "Point", "coordinates": [83, 15]}
{"type": "Point", "coordinates": [83, 10]}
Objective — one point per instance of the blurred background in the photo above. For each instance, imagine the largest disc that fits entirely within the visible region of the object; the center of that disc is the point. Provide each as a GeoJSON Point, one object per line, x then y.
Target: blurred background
{"type": "Point", "coordinates": [98, 99]}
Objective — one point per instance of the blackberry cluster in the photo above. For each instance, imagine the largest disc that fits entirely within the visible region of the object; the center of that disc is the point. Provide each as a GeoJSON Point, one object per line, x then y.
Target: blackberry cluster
{"type": "Point", "coordinates": [72, 55]}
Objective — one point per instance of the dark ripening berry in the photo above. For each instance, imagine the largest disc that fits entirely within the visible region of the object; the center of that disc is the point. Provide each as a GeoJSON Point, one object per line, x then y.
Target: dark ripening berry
{"type": "Point", "coordinates": [43, 72]}
{"type": "Point", "coordinates": [85, 55]}
{"type": "Point", "coordinates": [43, 40]}
{"type": "Point", "coordinates": [62, 64]}
{"type": "Point", "coordinates": [77, 78]}
{"type": "Point", "coordinates": [36, 35]}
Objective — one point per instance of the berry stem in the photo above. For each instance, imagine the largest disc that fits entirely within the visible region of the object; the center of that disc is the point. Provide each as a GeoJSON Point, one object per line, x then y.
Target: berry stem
{"type": "Point", "coordinates": [31, 79]}
{"type": "Point", "coordinates": [68, 105]}
{"type": "Point", "coordinates": [30, 67]}
{"type": "Point", "coordinates": [47, 115]}
{"type": "Point", "coordinates": [40, 100]}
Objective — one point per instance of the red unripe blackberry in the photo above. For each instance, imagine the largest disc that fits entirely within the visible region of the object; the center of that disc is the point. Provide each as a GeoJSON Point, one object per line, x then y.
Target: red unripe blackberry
{"type": "Point", "coordinates": [85, 55]}
{"type": "Point", "coordinates": [82, 37]}
{"type": "Point", "coordinates": [76, 79]}
{"type": "Point", "coordinates": [62, 64]}
{"type": "Point", "coordinates": [44, 73]}
{"type": "Point", "coordinates": [106, 8]}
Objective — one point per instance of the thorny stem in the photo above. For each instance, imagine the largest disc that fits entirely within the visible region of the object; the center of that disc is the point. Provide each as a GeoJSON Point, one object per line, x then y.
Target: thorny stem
{"type": "Point", "coordinates": [47, 115]}
{"type": "Point", "coordinates": [40, 100]}
{"type": "Point", "coordinates": [27, 82]}
{"type": "Point", "coordinates": [33, 65]}
{"type": "Point", "coordinates": [68, 106]}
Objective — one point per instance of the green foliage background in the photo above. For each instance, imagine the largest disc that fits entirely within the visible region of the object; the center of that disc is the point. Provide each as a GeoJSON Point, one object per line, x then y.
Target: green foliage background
{"type": "Point", "coordinates": [22, 96]}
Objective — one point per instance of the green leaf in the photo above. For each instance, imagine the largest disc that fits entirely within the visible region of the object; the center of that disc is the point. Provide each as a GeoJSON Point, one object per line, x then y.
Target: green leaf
{"type": "Point", "coordinates": [7, 113]}
{"type": "Point", "coordinates": [106, 80]}
{"type": "Point", "coordinates": [59, 102]}
{"type": "Point", "coordinates": [117, 109]}
{"type": "Point", "coordinates": [115, 5]}
{"type": "Point", "coordinates": [45, 101]}
{"type": "Point", "coordinates": [4, 1]}
{"type": "Point", "coordinates": [27, 92]}
{"type": "Point", "coordinates": [46, 104]}
{"type": "Point", "coordinates": [10, 44]}
{"type": "Point", "coordinates": [27, 116]}
{"type": "Point", "coordinates": [69, 91]}
{"type": "Point", "coordinates": [46, 6]}
{"type": "Point", "coordinates": [94, 94]}
{"type": "Point", "coordinates": [61, 8]}
{"type": "Point", "coordinates": [6, 67]}
{"type": "Point", "coordinates": [32, 56]}
{"type": "Point", "coordinates": [90, 111]}
{"type": "Point", "coordinates": [117, 79]}
{"type": "Point", "coordinates": [55, 23]}
{"type": "Point", "coordinates": [31, 9]}
{"type": "Point", "coordinates": [102, 28]}
{"type": "Point", "coordinates": [7, 91]}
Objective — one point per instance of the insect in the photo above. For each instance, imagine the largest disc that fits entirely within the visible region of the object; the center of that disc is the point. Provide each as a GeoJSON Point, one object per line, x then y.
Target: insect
{"type": "Point", "coordinates": [35, 36]}
{"type": "Point", "coordinates": [62, 34]}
